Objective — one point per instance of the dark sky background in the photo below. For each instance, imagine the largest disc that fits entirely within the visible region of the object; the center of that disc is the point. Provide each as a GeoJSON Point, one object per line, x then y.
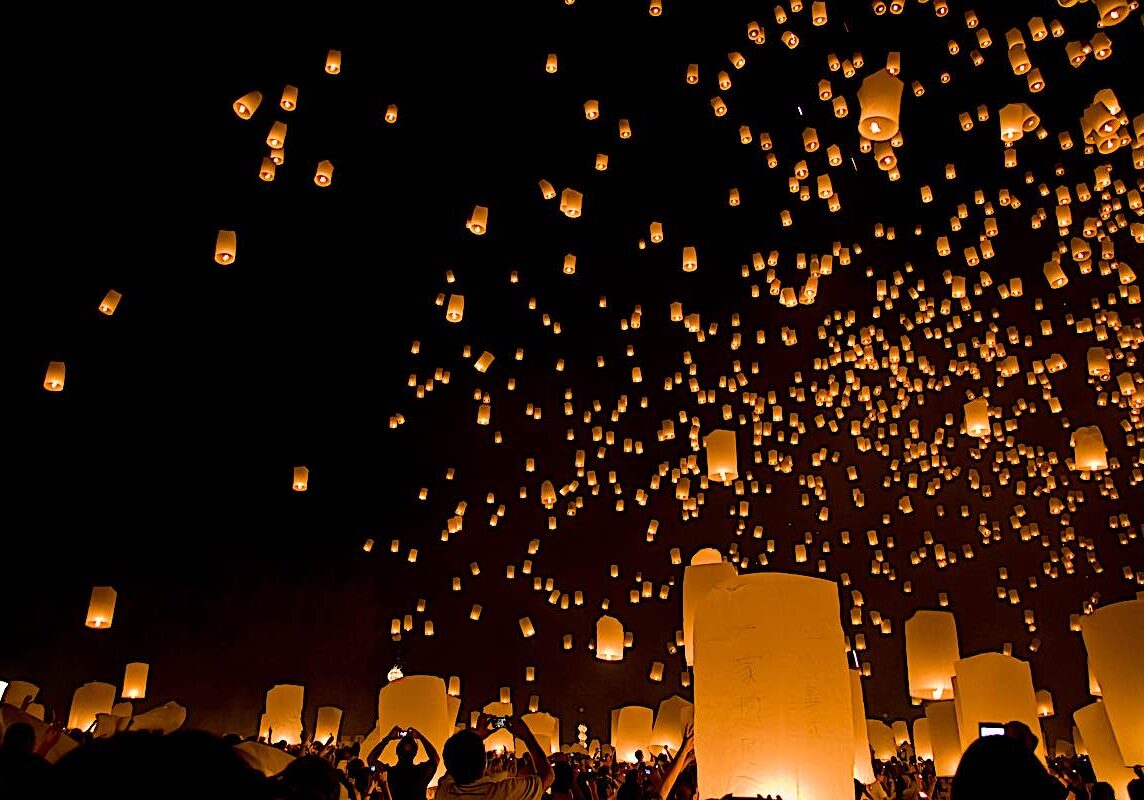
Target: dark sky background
{"type": "Point", "coordinates": [164, 467]}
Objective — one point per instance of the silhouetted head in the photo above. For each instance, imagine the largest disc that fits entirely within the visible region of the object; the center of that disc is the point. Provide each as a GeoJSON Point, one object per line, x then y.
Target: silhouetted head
{"type": "Point", "coordinates": [20, 737]}
{"type": "Point", "coordinates": [1136, 787]}
{"type": "Point", "coordinates": [1000, 768]}
{"type": "Point", "coordinates": [1021, 732]}
{"type": "Point", "coordinates": [562, 777]}
{"type": "Point", "coordinates": [308, 778]}
{"type": "Point", "coordinates": [406, 750]}
{"type": "Point", "coordinates": [639, 756]}
{"type": "Point", "coordinates": [464, 756]}
{"type": "Point", "coordinates": [1102, 791]}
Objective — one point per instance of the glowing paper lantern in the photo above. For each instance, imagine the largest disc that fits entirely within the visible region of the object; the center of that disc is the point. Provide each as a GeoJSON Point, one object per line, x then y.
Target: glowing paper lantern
{"type": "Point", "coordinates": [289, 100]}
{"type": "Point", "coordinates": [101, 609]}
{"type": "Point", "coordinates": [1112, 12]}
{"type": "Point", "coordinates": [706, 570]}
{"type": "Point", "coordinates": [931, 652]}
{"type": "Point", "coordinates": [945, 738]}
{"type": "Point", "coordinates": [881, 739]}
{"type": "Point", "coordinates": [455, 311]}
{"type": "Point", "coordinates": [301, 479]}
{"type": "Point", "coordinates": [478, 221]}
{"type": "Point", "coordinates": [88, 701]}
{"type": "Point", "coordinates": [771, 676]}
{"type": "Point", "coordinates": [722, 456]}
{"type": "Point", "coordinates": [324, 173]}
{"type": "Point", "coordinates": [110, 302]}
{"type": "Point", "coordinates": [1089, 452]}
{"type": "Point", "coordinates": [1114, 638]}
{"type": "Point", "coordinates": [632, 731]}
{"type": "Point", "coordinates": [671, 718]}
{"type": "Point", "coordinates": [54, 376]}
{"type": "Point", "coordinates": [1104, 749]}
{"type": "Point", "coordinates": [18, 691]}
{"type": "Point", "coordinates": [413, 701]}
{"type": "Point", "coordinates": [992, 687]}
{"type": "Point", "coordinates": [226, 246]}
{"type": "Point", "coordinates": [1044, 703]}
{"type": "Point", "coordinates": [863, 766]}
{"type": "Point", "coordinates": [334, 62]}
{"type": "Point", "coordinates": [880, 98]}
{"type": "Point", "coordinates": [328, 724]}
{"type": "Point", "coordinates": [246, 105]}
{"type": "Point", "coordinates": [135, 680]}
{"type": "Point", "coordinates": [609, 639]}
{"type": "Point", "coordinates": [922, 747]}
{"type": "Point", "coordinates": [283, 714]}
{"type": "Point", "coordinates": [571, 203]}
{"type": "Point", "coordinates": [391, 113]}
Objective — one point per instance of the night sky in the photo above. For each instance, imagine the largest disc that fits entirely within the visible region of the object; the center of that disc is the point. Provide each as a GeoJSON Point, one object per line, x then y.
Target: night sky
{"type": "Point", "coordinates": [164, 467]}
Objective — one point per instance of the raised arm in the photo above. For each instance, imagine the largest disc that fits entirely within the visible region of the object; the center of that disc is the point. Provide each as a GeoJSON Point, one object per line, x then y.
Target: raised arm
{"type": "Point", "coordinates": [375, 753]}
{"type": "Point", "coordinates": [430, 750]}
{"type": "Point", "coordinates": [678, 764]}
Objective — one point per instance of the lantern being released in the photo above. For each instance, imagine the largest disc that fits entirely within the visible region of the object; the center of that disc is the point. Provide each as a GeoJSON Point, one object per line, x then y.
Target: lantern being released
{"type": "Point", "coordinates": [1103, 746]}
{"type": "Point", "coordinates": [863, 768]}
{"type": "Point", "coordinates": [609, 639]}
{"type": "Point", "coordinates": [1114, 638]}
{"type": "Point", "coordinates": [945, 739]}
{"type": "Point", "coordinates": [771, 677]}
{"type": "Point", "coordinates": [632, 732]}
{"type": "Point", "coordinates": [707, 569]}
{"type": "Point", "coordinates": [90, 700]}
{"type": "Point", "coordinates": [101, 609]}
{"type": "Point", "coordinates": [931, 652]}
{"type": "Point", "coordinates": [283, 716]}
{"type": "Point", "coordinates": [880, 97]}
{"type": "Point", "coordinates": [722, 456]}
{"type": "Point", "coordinates": [328, 724]}
{"type": "Point", "coordinates": [992, 687]}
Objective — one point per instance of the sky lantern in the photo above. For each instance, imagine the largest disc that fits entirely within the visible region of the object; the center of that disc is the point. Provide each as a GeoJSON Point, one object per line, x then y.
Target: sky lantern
{"type": "Point", "coordinates": [101, 608]}
{"type": "Point", "coordinates": [632, 731]}
{"type": "Point", "coordinates": [722, 457]}
{"type": "Point", "coordinates": [609, 639]}
{"type": "Point", "coordinates": [931, 652]}
{"type": "Point", "coordinates": [455, 310]}
{"type": "Point", "coordinates": [88, 702]}
{"type": "Point", "coordinates": [391, 113]}
{"type": "Point", "coordinates": [976, 414]}
{"type": "Point", "coordinates": [945, 738]}
{"type": "Point", "coordinates": [301, 479]}
{"type": "Point", "coordinates": [226, 247]}
{"type": "Point", "coordinates": [880, 98]}
{"type": "Point", "coordinates": [135, 681]}
{"type": "Point", "coordinates": [289, 100]}
{"type": "Point", "coordinates": [1089, 452]}
{"type": "Point", "coordinates": [334, 62]}
{"type": "Point", "coordinates": [110, 302]}
{"type": "Point", "coordinates": [592, 109]}
{"type": "Point", "coordinates": [276, 139]}
{"type": "Point", "coordinates": [671, 719]}
{"type": "Point", "coordinates": [764, 644]}
{"type": "Point", "coordinates": [921, 739]}
{"type": "Point", "coordinates": [324, 173]}
{"type": "Point", "coordinates": [54, 376]}
{"type": "Point", "coordinates": [246, 105]}
{"type": "Point", "coordinates": [571, 203]}
{"type": "Point", "coordinates": [478, 221]}
{"type": "Point", "coordinates": [993, 687]}
{"type": "Point", "coordinates": [863, 768]}
{"type": "Point", "coordinates": [706, 570]}
{"type": "Point", "coordinates": [1044, 704]}
{"type": "Point", "coordinates": [283, 714]}
{"type": "Point", "coordinates": [1114, 639]}
{"type": "Point", "coordinates": [1103, 747]}
{"type": "Point", "coordinates": [328, 724]}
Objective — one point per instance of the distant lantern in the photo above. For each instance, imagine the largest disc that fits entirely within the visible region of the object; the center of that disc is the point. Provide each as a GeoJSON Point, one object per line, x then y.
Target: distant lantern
{"type": "Point", "coordinates": [101, 608]}
{"type": "Point", "coordinates": [547, 190]}
{"type": "Point", "coordinates": [277, 136]}
{"type": "Point", "coordinates": [601, 162]}
{"type": "Point", "coordinates": [976, 417]}
{"type": "Point", "coordinates": [135, 681]}
{"type": "Point", "coordinates": [478, 221]}
{"type": "Point", "coordinates": [246, 105]}
{"type": "Point", "coordinates": [455, 311]}
{"type": "Point", "coordinates": [54, 377]}
{"type": "Point", "coordinates": [289, 100]}
{"type": "Point", "coordinates": [880, 98]}
{"type": "Point", "coordinates": [547, 494]}
{"type": "Point", "coordinates": [110, 302]}
{"type": "Point", "coordinates": [655, 8]}
{"type": "Point", "coordinates": [722, 456]}
{"type": "Point", "coordinates": [592, 109]}
{"type": "Point", "coordinates": [324, 174]}
{"type": "Point", "coordinates": [690, 259]}
{"type": "Point", "coordinates": [655, 230]}
{"type": "Point", "coordinates": [571, 203]}
{"type": "Point", "coordinates": [334, 62]}
{"type": "Point", "coordinates": [267, 170]}
{"type": "Point", "coordinates": [226, 248]}
{"type": "Point", "coordinates": [301, 478]}
{"type": "Point", "coordinates": [625, 129]}
{"type": "Point", "coordinates": [391, 113]}
{"type": "Point", "coordinates": [609, 639]}
{"type": "Point", "coordinates": [718, 106]}
{"type": "Point", "coordinates": [526, 628]}
{"type": "Point", "coordinates": [1044, 704]}
{"type": "Point", "coordinates": [569, 264]}
{"type": "Point", "coordinates": [1017, 119]}
{"type": "Point", "coordinates": [1089, 452]}
{"type": "Point", "coordinates": [692, 75]}
{"type": "Point", "coordinates": [550, 64]}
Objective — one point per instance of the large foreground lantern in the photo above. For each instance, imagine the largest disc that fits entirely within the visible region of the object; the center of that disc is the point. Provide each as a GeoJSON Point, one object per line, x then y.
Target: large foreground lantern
{"type": "Point", "coordinates": [415, 701]}
{"type": "Point", "coordinates": [283, 716]}
{"type": "Point", "coordinates": [632, 731]}
{"type": "Point", "coordinates": [1114, 638]}
{"type": "Point", "coordinates": [880, 97]}
{"type": "Point", "coordinates": [101, 609]}
{"type": "Point", "coordinates": [609, 639]}
{"type": "Point", "coordinates": [671, 718]}
{"type": "Point", "coordinates": [992, 687]}
{"type": "Point", "coordinates": [771, 678]}
{"type": "Point", "coordinates": [945, 739]}
{"type": "Point", "coordinates": [863, 765]}
{"type": "Point", "coordinates": [923, 748]}
{"type": "Point", "coordinates": [722, 456]}
{"type": "Point", "coordinates": [931, 652]}
{"type": "Point", "coordinates": [706, 570]}
{"type": "Point", "coordinates": [1104, 749]}
{"type": "Point", "coordinates": [88, 701]}
{"type": "Point", "coordinates": [328, 724]}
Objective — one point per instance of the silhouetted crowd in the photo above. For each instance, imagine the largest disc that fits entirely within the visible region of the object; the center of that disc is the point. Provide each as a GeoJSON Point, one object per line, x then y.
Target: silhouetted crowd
{"type": "Point", "coordinates": [194, 764]}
